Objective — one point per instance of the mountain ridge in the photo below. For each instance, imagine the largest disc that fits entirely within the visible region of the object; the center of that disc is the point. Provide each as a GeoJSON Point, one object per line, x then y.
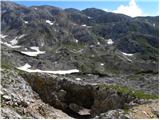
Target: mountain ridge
{"type": "Point", "coordinates": [90, 28]}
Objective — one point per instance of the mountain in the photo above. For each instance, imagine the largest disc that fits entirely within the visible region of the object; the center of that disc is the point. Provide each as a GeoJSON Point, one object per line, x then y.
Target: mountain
{"type": "Point", "coordinates": [89, 27]}
{"type": "Point", "coordinates": [97, 46]}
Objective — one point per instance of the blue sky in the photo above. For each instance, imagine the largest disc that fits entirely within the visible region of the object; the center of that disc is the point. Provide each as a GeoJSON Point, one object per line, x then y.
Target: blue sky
{"type": "Point", "coordinates": [129, 7]}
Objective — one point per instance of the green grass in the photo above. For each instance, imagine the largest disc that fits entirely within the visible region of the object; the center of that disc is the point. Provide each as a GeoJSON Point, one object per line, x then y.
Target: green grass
{"type": "Point", "coordinates": [73, 45]}
{"type": "Point", "coordinates": [150, 52]}
{"type": "Point", "coordinates": [135, 93]}
{"type": "Point", "coordinates": [6, 66]}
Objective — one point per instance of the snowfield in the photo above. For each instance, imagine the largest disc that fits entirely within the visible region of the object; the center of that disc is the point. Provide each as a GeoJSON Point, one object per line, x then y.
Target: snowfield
{"type": "Point", "coordinates": [9, 45]}
{"type": "Point", "coordinates": [30, 53]}
{"type": "Point", "coordinates": [13, 42]}
{"type": "Point", "coordinates": [61, 72]}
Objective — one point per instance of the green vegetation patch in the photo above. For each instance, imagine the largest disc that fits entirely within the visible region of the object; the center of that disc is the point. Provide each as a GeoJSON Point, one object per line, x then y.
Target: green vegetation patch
{"type": "Point", "coordinates": [135, 93]}
{"type": "Point", "coordinates": [73, 45]}
{"type": "Point", "coordinates": [6, 66]}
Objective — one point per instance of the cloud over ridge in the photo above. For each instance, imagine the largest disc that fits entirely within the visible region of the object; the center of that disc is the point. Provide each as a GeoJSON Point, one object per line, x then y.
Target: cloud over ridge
{"type": "Point", "coordinates": [131, 9]}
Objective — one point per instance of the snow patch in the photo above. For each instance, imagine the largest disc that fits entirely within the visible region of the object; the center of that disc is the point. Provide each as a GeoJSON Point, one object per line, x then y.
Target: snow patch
{"type": "Point", "coordinates": [49, 22]}
{"type": "Point", "coordinates": [76, 41]}
{"type": "Point", "coordinates": [84, 25]}
{"type": "Point", "coordinates": [61, 72]}
{"type": "Point", "coordinates": [6, 97]}
{"type": "Point", "coordinates": [21, 36]}
{"type": "Point", "coordinates": [102, 64]}
{"type": "Point", "coordinates": [35, 48]}
{"type": "Point", "coordinates": [89, 17]}
{"type": "Point", "coordinates": [98, 43]}
{"type": "Point", "coordinates": [29, 53]}
{"type": "Point", "coordinates": [127, 54]}
{"type": "Point", "coordinates": [14, 41]}
{"type": "Point", "coordinates": [35, 8]}
{"type": "Point", "coordinates": [91, 46]}
{"type": "Point", "coordinates": [78, 79]}
{"type": "Point", "coordinates": [42, 44]}
{"type": "Point", "coordinates": [110, 42]}
{"type": "Point", "coordinates": [3, 36]}
{"type": "Point", "coordinates": [26, 22]}
{"type": "Point", "coordinates": [25, 67]}
{"type": "Point", "coordinates": [9, 45]}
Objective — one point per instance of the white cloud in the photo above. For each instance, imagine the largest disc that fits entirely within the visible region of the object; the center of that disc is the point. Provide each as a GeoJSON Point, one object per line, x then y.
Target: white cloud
{"type": "Point", "coordinates": [131, 10]}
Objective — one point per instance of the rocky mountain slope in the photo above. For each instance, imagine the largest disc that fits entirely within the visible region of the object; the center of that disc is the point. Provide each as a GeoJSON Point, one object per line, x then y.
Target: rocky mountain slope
{"type": "Point", "coordinates": [110, 60]}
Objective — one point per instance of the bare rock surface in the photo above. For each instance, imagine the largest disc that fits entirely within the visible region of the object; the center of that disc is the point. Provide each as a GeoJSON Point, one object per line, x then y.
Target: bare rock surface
{"type": "Point", "coordinates": [18, 100]}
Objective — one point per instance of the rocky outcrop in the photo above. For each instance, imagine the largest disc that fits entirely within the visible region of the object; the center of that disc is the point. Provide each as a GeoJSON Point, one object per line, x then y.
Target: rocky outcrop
{"type": "Point", "coordinates": [108, 99]}
{"type": "Point", "coordinates": [72, 96]}
{"type": "Point", "coordinates": [114, 114]}
{"type": "Point", "coordinates": [19, 101]}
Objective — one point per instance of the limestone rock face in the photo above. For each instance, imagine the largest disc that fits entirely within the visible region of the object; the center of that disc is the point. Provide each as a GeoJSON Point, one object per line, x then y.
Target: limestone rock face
{"type": "Point", "coordinates": [108, 99]}
{"type": "Point", "coordinates": [66, 94]}
{"type": "Point", "coordinates": [19, 101]}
